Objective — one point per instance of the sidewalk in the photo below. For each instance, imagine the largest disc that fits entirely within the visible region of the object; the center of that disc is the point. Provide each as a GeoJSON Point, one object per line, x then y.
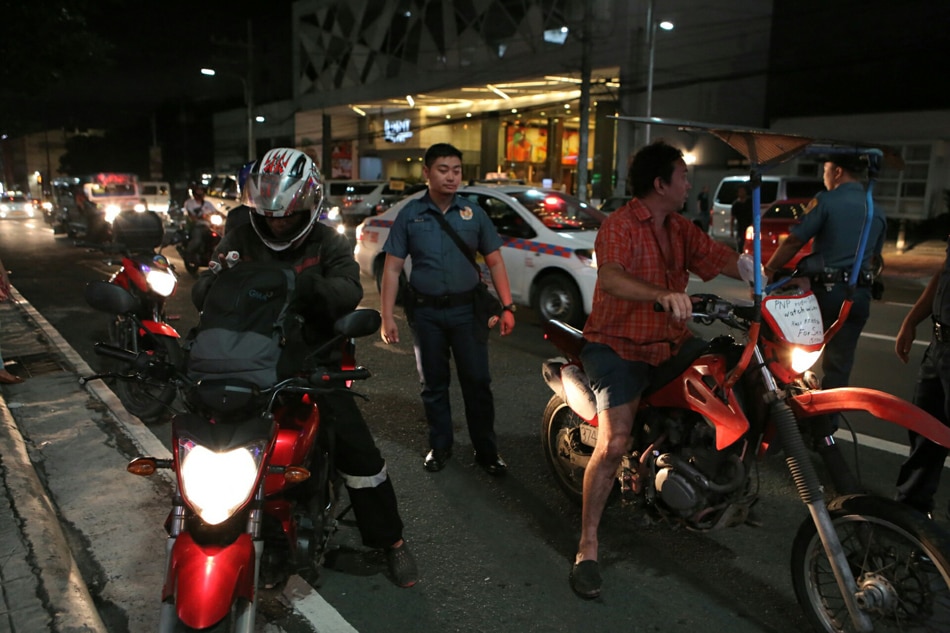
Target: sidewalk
{"type": "Point", "coordinates": [41, 585]}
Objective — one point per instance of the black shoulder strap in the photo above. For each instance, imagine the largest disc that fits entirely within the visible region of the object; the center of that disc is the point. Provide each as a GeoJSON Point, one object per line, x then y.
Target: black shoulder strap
{"type": "Point", "coordinates": [455, 238]}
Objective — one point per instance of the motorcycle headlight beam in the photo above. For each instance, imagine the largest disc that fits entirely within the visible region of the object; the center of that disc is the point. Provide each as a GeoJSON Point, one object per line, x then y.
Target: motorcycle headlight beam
{"type": "Point", "coordinates": [802, 360]}
{"type": "Point", "coordinates": [216, 485]}
{"type": "Point", "coordinates": [161, 282]}
{"type": "Point", "coordinates": [112, 212]}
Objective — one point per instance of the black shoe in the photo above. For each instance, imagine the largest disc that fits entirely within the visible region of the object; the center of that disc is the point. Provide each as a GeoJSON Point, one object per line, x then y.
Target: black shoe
{"type": "Point", "coordinates": [494, 465]}
{"type": "Point", "coordinates": [436, 459]}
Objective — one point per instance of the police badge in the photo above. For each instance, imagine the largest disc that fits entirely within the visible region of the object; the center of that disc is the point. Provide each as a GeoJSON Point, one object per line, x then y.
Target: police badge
{"type": "Point", "coordinates": [466, 213]}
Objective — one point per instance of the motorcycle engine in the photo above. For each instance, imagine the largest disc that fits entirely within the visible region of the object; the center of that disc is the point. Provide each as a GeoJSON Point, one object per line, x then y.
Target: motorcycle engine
{"type": "Point", "coordinates": [696, 482]}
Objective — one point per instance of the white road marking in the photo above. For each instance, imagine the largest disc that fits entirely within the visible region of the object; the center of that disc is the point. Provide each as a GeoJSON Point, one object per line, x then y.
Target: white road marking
{"type": "Point", "coordinates": [877, 443]}
{"type": "Point", "coordinates": [314, 608]}
{"type": "Point", "coordinates": [885, 337]}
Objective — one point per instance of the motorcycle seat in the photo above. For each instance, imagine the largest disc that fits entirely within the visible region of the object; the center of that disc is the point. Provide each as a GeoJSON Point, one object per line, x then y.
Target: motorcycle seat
{"type": "Point", "coordinates": [568, 339]}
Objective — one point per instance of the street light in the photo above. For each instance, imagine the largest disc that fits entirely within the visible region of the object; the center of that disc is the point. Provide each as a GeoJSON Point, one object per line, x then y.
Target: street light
{"type": "Point", "coordinates": [248, 104]}
{"type": "Point", "coordinates": [652, 25]}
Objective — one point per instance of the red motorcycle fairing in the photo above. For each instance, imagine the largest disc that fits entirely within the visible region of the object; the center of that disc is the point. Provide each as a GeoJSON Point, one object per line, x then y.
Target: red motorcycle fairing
{"type": "Point", "coordinates": [297, 433]}
{"type": "Point", "coordinates": [160, 328]}
{"type": "Point", "coordinates": [205, 580]}
{"type": "Point", "coordinates": [690, 389]}
{"type": "Point", "coordinates": [877, 403]}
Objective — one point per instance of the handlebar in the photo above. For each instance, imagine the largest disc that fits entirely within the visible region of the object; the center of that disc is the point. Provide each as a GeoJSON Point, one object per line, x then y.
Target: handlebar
{"type": "Point", "coordinates": [708, 308]}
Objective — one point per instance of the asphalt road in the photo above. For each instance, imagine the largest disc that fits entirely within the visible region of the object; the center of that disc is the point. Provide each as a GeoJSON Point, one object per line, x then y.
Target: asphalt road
{"type": "Point", "coordinates": [494, 554]}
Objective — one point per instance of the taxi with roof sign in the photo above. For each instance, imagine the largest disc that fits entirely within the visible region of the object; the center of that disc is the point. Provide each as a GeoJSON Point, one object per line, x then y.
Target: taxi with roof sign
{"type": "Point", "coordinates": [548, 246]}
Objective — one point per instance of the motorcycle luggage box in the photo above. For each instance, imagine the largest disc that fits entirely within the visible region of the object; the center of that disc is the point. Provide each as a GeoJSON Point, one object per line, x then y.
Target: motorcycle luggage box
{"type": "Point", "coordinates": [138, 230]}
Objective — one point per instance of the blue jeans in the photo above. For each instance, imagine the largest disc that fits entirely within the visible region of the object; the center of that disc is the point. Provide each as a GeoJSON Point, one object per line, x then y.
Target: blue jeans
{"type": "Point", "coordinates": [919, 476]}
{"type": "Point", "coordinates": [439, 334]}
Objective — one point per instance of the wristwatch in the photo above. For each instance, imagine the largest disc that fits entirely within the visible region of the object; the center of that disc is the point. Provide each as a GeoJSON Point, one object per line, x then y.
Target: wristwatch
{"type": "Point", "coordinates": [510, 307]}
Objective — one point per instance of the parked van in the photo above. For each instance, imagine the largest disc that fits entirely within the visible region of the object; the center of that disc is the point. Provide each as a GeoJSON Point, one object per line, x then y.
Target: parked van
{"type": "Point", "coordinates": [773, 188]}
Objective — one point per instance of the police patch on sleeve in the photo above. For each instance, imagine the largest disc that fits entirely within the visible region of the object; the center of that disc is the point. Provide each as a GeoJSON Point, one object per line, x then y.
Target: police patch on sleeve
{"type": "Point", "coordinates": [811, 205]}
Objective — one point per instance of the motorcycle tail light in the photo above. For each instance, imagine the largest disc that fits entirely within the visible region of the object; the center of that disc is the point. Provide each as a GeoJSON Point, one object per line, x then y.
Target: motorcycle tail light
{"type": "Point", "coordinates": [161, 282]}
{"type": "Point", "coordinates": [218, 484]}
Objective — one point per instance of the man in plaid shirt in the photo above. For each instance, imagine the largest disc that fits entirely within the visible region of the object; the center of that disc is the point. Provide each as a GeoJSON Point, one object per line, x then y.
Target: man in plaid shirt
{"type": "Point", "coordinates": [645, 253]}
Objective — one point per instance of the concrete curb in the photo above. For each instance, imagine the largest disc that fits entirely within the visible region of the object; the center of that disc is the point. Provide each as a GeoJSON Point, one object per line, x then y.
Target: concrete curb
{"type": "Point", "coordinates": [70, 602]}
{"type": "Point", "coordinates": [134, 428]}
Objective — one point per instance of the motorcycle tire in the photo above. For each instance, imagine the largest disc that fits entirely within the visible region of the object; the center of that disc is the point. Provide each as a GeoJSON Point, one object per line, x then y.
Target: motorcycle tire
{"type": "Point", "coordinates": [148, 400]}
{"type": "Point", "coordinates": [899, 558]}
{"type": "Point", "coordinates": [557, 422]}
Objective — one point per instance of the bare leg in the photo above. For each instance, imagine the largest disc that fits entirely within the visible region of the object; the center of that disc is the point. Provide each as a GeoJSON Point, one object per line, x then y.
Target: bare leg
{"type": "Point", "coordinates": [613, 434]}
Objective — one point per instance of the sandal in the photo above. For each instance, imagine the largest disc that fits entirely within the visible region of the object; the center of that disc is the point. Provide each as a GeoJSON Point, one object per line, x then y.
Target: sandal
{"type": "Point", "coordinates": [585, 579]}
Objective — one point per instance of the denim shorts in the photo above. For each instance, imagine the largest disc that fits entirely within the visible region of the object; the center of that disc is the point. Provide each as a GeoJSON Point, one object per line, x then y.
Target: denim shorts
{"type": "Point", "coordinates": [615, 381]}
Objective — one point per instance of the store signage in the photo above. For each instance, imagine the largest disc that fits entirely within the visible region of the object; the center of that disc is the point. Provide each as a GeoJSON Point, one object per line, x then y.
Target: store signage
{"type": "Point", "coordinates": [396, 131]}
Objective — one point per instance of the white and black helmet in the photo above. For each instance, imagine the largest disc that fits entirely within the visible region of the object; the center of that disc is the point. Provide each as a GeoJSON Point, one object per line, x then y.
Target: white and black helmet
{"type": "Point", "coordinates": [283, 183]}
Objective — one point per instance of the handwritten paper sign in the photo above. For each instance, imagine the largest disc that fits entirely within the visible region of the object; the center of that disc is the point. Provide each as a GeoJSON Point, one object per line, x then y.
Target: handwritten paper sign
{"type": "Point", "coordinates": [797, 318]}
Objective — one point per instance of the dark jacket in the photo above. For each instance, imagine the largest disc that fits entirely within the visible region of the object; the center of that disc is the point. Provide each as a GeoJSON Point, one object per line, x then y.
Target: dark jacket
{"type": "Point", "coordinates": [328, 278]}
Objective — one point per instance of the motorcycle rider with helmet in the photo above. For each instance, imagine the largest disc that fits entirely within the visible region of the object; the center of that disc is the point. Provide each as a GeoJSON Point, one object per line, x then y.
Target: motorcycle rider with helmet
{"type": "Point", "coordinates": [196, 210]}
{"type": "Point", "coordinates": [285, 191]}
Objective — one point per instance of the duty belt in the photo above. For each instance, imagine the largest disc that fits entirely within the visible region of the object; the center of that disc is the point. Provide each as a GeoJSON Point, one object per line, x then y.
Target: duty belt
{"type": "Point", "coordinates": [444, 301]}
{"type": "Point", "coordinates": [941, 332]}
{"type": "Point", "coordinates": [831, 276]}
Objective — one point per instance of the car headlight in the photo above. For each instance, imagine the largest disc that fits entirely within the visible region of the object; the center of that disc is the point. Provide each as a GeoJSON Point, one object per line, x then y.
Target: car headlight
{"type": "Point", "coordinates": [4, 208]}
{"type": "Point", "coordinates": [802, 360]}
{"type": "Point", "coordinates": [140, 208]}
{"type": "Point", "coordinates": [48, 206]}
{"type": "Point", "coordinates": [216, 485]}
{"type": "Point", "coordinates": [161, 282]}
{"type": "Point", "coordinates": [587, 256]}
{"type": "Point", "coordinates": [112, 212]}
{"type": "Point", "coordinates": [341, 229]}
{"type": "Point", "coordinates": [333, 213]}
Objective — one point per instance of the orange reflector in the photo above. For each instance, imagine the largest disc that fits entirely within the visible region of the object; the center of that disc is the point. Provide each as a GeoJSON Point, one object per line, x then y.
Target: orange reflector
{"type": "Point", "coordinates": [142, 466]}
{"type": "Point", "coordinates": [296, 474]}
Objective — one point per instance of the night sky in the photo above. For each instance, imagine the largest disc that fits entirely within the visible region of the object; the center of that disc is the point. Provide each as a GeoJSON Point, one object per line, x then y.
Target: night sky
{"type": "Point", "coordinates": [826, 58]}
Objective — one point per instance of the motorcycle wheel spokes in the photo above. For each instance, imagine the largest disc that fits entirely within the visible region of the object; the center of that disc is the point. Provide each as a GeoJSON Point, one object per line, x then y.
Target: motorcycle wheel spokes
{"type": "Point", "coordinates": [559, 434]}
{"type": "Point", "coordinates": [899, 561]}
{"type": "Point", "coordinates": [147, 399]}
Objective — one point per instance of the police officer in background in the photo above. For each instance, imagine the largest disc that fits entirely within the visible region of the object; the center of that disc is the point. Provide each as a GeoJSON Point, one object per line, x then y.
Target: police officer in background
{"type": "Point", "coordinates": [834, 219]}
{"type": "Point", "coordinates": [919, 476]}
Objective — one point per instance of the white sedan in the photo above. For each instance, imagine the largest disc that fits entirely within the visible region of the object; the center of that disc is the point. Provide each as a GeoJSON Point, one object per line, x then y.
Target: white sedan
{"type": "Point", "coordinates": [548, 246]}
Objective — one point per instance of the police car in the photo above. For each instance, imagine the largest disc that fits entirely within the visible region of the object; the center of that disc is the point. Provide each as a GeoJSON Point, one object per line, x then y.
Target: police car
{"type": "Point", "coordinates": [548, 246]}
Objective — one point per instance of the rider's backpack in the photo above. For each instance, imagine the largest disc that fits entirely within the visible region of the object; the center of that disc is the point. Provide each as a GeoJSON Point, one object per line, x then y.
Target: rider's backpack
{"type": "Point", "coordinates": [246, 329]}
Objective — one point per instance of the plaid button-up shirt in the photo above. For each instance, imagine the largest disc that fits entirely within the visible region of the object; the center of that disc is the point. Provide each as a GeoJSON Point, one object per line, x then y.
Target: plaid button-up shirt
{"type": "Point", "coordinates": [627, 238]}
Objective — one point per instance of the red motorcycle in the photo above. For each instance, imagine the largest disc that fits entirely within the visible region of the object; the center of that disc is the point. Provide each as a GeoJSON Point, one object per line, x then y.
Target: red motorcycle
{"type": "Point", "coordinates": [257, 489]}
{"type": "Point", "coordinates": [860, 563]}
{"type": "Point", "coordinates": [145, 280]}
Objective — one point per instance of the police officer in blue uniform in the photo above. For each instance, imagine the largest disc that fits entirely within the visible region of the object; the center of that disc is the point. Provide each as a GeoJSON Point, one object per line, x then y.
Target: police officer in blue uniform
{"type": "Point", "coordinates": [834, 219]}
{"type": "Point", "coordinates": [441, 309]}
{"type": "Point", "coordinates": [919, 476]}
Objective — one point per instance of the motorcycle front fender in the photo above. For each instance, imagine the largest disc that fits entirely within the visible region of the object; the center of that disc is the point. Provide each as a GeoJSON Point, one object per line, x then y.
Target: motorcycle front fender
{"type": "Point", "coordinates": [159, 328]}
{"type": "Point", "coordinates": [877, 403]}
{"type": "Point", "coordinates": [203, 581]}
